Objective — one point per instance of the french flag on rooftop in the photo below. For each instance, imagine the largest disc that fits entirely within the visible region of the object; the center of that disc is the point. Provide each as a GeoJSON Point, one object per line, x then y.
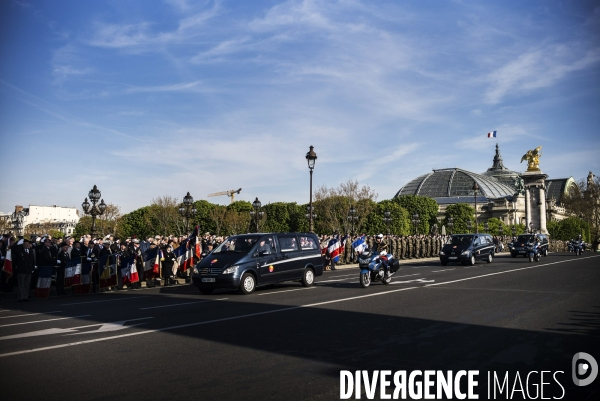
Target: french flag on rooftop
{"type": "Point", "coordinates": [492, 134]}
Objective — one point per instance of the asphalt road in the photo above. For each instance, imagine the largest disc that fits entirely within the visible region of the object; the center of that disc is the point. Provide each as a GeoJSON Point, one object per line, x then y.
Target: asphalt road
{"type": "Point", "coordinates": [288, 342]}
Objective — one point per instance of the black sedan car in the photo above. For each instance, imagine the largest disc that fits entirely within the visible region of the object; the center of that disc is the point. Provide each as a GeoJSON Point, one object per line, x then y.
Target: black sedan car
{"type": "Point", "coordinates": [467, 249]}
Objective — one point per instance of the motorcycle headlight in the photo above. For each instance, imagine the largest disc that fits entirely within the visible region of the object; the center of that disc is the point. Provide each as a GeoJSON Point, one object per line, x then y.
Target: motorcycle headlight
{"type": "Point", "coordinates": [465, 252]}
{"type": "Point", "coordinates": [231, 270]}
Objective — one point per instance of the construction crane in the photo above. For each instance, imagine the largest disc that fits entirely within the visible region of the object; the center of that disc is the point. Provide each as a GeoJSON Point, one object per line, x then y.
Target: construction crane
{"type": "Point", "coordinates": [231, 193]}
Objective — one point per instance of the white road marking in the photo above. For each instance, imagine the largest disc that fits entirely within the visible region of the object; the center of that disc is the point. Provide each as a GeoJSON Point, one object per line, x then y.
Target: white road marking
{"type": "Point", "coordinates": [104, 328]}
{"type": "Point", "coordinates": [184, 303]}
{"type": "Point", "coordinates": [445, 270]}
{"type": "Point", "coordinates": [279, 292]}
{"type": "Point", "coordinates": [418, 280]}
{"type": "Point", "coordinates": [105, 300]}
{"type": "Point", "coordinates": [408, 275]}
{"type": "Point", "coordinates": [30, 314]}
{"type": "Point", "coordinates": [331, 281]}
{"type": "Point", "coordinates": [266, 312]}
{"type": "Point", "coordinates": [42, 321]}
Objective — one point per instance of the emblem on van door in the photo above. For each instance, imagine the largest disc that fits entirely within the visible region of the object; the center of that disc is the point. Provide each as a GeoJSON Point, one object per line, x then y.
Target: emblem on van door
{"type": "Point", "coordinates": [271, 268]}
{"type": "Point", "coordinates": [213, 261]}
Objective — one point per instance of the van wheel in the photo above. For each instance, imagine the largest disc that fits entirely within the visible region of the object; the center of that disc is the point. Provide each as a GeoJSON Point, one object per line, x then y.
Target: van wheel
{"type": "Point", "coordinates": [472, 260]}
{"type": "Point", "coordinates": [206, 291]}
{"type": "Point", "coordinates": [248, 284]}
{"type": "Point", "coordinates": [490, 257]}
{"type": "Point", "coordinates": [308, 278]}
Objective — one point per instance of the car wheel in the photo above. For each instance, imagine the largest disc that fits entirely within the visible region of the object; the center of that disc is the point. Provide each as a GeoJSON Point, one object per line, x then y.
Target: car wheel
{"type": "Point", "coordinates": [490, 257]}
{"type": "Point", "coordinates": [365, 280]}
{"type": "Point", "coordinates": [248, 283]}
{"type": "Point", "coordinates": [472, 260]}
{"type": "Point", "coordinates": [308, 278]}
{"type": "Point", "coordinates": [206, 291]}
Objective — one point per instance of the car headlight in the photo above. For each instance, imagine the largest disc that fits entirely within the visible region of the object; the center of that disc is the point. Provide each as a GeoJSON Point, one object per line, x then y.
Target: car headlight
{"type": "Point", "coordinates": [231, 270]}
{"type": "Point", "coordinates": [465, 252]}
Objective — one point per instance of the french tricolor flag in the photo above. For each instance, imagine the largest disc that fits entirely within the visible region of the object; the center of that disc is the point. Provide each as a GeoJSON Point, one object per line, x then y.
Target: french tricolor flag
{"type": "Point", "coordinates": [492, 134]}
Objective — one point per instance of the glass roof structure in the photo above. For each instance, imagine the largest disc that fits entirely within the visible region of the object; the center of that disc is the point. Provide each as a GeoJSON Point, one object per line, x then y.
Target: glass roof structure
{"type": "Point", "coordinates": [500, 172]}
{"type": "Point", "coordinates": [558, 187]}
{"type": "Point", "coordinates": [455, 183]}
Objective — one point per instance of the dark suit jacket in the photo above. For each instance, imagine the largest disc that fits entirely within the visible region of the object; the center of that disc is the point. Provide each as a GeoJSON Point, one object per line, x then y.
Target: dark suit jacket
{"type": "Point", "coordinates": [23, 262]}
{"type": "Point", "coordinates": [46, 257]}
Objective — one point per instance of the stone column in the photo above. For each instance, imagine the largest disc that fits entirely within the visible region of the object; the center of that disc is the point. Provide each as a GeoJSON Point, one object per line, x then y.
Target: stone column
{"type": "Point", "coordinates": [527, 208]}
{"type": "Point", "coordinates": [542, 204]}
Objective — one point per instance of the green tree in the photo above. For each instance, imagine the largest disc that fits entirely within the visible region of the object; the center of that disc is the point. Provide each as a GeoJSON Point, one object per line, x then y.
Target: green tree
{"type": "Point", "coordinates": [426, 207]}
{"type": "Point", "coordinates": [461, 213]}
{"type": "Point", "coordinates": [202, 218]}
{"type": "Point", "coordinates": [136, 223]}
{"type": "Point", "coordinates": [374, 223]}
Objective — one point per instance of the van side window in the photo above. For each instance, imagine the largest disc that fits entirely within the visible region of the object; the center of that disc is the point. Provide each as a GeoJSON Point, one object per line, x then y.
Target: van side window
{"type": "Point", "coordinates": [307, 243]}
{"type": "Point", "coordinates": [288, 243]}
{"type": "Point", "coordinates": [266, 246]}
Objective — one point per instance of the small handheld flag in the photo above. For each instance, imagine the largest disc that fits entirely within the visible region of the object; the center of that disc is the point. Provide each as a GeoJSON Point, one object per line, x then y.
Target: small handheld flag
{"type": "Point", "coordinates": [492, 134]}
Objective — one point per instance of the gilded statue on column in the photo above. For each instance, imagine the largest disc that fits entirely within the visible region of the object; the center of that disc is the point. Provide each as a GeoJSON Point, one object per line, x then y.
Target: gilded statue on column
{"type": "Point", "coordinates": [533, 159]}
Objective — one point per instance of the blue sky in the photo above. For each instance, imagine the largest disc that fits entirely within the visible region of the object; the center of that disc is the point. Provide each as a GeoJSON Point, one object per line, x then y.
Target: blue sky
{"type": "Point", "coordinates": [151, 98]}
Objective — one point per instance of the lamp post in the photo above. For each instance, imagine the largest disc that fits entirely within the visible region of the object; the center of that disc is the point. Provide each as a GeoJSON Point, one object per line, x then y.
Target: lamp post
{"type": "Point", "coordinates": [311, 158]}
{"type": "Point", "coordinates": [501, 230]}
{"type": "Point", "coordinates": [531, 228]}
{"type": "Point", "coordinates": [256, 214]}
{"type": "Point", "coordinates": [486, 227]}
{"type": "Point", "coordinates": [387, 219]}
{"type": "Point", "coordinates": [450, 224]}
{"type": "Point", "coordinates": [415, 220]}
{"type": "Point", "coordinates": [469, 225]}
{"type": "Point", "coordinates": [310, 214]}
{"type": "Point", "coordinates": [514, 231]}
{"type": "Point", "coordinates": [475, 190]}
{"type": "Point", "coordinates": [352, 219]}
{"type": "Point", "coordinates": [187, 210]}
{"type": "Point", "coordinates": [94, 209]}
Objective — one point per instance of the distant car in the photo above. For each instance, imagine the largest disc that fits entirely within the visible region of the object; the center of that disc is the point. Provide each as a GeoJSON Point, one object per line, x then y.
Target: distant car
{"type": "Point", "coordinates": [250, 260]}
{"type": "Point", "coordinates": [467, 249]}
{"type": "Point", "coordinates": [520, 245]}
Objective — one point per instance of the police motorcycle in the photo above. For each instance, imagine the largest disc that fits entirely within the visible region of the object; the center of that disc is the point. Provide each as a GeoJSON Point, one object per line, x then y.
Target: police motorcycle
{"type": "Point", "coordinates": [578, 246]}
{"type": "Point", "coordinates": [372, 267]}
{"type": "Point", "coordinates": [533, 251]}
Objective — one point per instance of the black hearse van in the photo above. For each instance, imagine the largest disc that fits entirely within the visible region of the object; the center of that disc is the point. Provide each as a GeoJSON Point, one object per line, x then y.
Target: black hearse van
{"type": "Point", "coordinates": [250, 260]}
{"type": "Point", "coordinates": [520, 245]}
{"type": "Point", "coordinates": [467, 248]}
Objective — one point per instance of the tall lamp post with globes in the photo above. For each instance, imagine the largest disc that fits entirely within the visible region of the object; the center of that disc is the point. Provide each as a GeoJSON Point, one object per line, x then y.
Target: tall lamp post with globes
{"type": "Point", "coordinates": [256, 214]}
{"type": "Point", "coordinates": [187, 210]}
{"type": "Point", "coordinates": [352, 219]}
{"type": "Point", "coordinates": [94, 209]}
{"type": "Point", "coordinates": [311, 158]}
{"type": "Point", "coordinates": [415, 220]}
{"type": "Point", "coordinates": [309, 215]}
{"type": "Point", "coordinates": [469, 225]}
{"type": "Point", "coordinates": [387, 219]}
{"type": "Point", "coordinates": [450, 224]}
{"type": "Point", "coordinates": [475, 190]}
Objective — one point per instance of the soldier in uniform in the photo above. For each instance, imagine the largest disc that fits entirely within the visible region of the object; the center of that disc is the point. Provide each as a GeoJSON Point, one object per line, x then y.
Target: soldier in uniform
{"type": "Point", "coordinates": [24, 265]}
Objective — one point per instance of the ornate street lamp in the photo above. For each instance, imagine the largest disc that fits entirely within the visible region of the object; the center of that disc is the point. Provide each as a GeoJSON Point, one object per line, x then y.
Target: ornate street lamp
{"type": "Point", "coordinates": [415, 220]}
{"type": "Point", "coordinates": [387, 220]}
{"type": "Point", "coordinates": [256, 214]}
{"type": "Point", "coordinates": [475, 190]}
{"type": "Point", "coordinates": [187, 210]}
{"type": "Point", "coordinates": [531, 228]}
{"type": "Point", "coordinates": [501, 230]}
{"type": "Point", "coordinates": [486, 227]}
{"type": "Point", "coordinates": [469, 225]}
{"type": "Point", "coordinates": [514, 230]}
{"type": "Point", "coordinates": [450, 224]}
{"type": "Point", "coordinates": [352, 219]}
{"type": "Point", "coordinates": [311, 158]}
{"type": "Point", "coordinates": [94, 209]}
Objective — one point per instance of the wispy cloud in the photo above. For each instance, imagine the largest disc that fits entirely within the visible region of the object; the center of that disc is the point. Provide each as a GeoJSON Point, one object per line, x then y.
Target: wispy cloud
{"type": "Point", "coordinates": [539, 68]}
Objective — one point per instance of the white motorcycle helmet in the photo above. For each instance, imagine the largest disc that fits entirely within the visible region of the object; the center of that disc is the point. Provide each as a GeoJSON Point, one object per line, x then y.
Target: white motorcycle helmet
{"type": "Point", "coordinates": [380, 236]}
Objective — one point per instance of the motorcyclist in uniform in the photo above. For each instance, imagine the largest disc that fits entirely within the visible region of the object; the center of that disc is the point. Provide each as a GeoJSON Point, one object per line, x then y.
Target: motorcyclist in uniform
{"type": "Point", "coordinates": [379, 245]}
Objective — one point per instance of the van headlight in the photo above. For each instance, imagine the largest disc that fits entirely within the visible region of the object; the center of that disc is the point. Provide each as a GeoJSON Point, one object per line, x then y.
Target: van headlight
{"type": "Point", "coordinates": [466, 253]}
{"type": "Point", "coordinates": [231, 270]}
{"type": "Point", "coordinates": [195, 270]}
{"type": "Point", "coordinates": [442, 253]}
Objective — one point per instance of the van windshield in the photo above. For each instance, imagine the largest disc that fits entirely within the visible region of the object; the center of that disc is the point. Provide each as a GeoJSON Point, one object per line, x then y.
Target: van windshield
{"type": "Point", "coordinates": [525, 238]}
{"type": "Point", "coordinates": [460, 240]}
{"type": "Point", "coordinates": [237, 244]}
